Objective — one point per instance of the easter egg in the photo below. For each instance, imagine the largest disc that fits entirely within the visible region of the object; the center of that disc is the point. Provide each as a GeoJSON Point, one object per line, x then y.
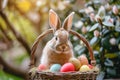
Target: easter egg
{"type": "Point", "coordinates": [75, 62]}
{"type": "Point", "coordinates": [67, 67]}
{"type": "Point", "coordinates": [90, 66]}
{"type": "Point", "coordinates": [55, 68]}
{"type": "Point", "coordinates": [42, 67]}
{"type": "Point", "coordinates": [84, 68]}
{"type": "Point", "coordinates": [83, 60]}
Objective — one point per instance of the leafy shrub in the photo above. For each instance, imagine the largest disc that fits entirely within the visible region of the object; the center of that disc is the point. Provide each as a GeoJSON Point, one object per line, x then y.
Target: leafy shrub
{"type": "Point", "coordinates": [100, 25]}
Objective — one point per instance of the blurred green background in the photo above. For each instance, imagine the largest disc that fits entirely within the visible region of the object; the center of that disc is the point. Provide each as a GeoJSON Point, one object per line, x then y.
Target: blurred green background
{"type": "Point", "coordinates": [21, 21]}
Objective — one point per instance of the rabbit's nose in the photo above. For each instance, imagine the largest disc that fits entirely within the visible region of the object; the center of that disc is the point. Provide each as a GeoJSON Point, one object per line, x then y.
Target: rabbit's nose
{"type": "Point", "coordinates": [63, 47]}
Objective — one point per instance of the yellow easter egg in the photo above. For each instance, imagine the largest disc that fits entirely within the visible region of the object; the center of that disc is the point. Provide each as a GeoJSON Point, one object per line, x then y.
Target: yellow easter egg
{"type": "Point", "coordinates": [84, 68]}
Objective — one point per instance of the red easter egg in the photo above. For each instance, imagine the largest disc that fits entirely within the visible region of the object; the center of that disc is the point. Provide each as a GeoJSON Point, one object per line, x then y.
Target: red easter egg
{"type": "Point", "coordinates": [90, 66]}
{"type": "Point", "coordinates": [41, 67]}
{"type": "Point", "coordinates": [67, 67]}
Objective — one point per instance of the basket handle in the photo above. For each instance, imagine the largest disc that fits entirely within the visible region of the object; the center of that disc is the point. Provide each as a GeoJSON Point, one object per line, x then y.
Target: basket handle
{"type": "Point", "coordinates": [32, 59]}
{"type": "Point", "coordinates": [92, 58]}
{"type": "Point", "coordinates": [35, 44]}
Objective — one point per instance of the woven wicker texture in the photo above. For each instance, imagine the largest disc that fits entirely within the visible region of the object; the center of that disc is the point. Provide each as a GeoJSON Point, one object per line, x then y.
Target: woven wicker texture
{"type": "Point", "coordinates": [64, 76]}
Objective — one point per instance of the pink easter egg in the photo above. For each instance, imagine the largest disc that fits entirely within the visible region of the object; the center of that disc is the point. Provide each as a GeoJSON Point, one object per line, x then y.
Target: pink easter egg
{"type": "Point", "coordinates": [67, 67]}
{"type": "Point", "coordinates": [42, 67]}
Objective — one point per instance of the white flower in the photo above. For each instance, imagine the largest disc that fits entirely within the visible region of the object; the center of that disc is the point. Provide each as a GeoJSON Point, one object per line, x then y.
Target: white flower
{"type": "Point", "coordinates": [96, 33]}
{"type": "Point", "coordinates": [75, 38]}
{"type": "Point", "coordinates": [78, 24]}
{"type": "Point", "coordinates": [92, 16]}
{"type": "Point", "coordinates": [112, 41]}
{"type": "Point", "coordinates": [89, 10]}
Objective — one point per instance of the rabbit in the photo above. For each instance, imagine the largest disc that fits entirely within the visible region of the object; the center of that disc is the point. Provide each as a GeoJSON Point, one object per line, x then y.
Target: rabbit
{"type": "Point", "coordinates": [59, 49]}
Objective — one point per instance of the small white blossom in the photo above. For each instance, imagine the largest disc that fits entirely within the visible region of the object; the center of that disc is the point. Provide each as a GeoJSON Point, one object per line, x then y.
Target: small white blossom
{"type": "Point", "coordinates": [78, 24]}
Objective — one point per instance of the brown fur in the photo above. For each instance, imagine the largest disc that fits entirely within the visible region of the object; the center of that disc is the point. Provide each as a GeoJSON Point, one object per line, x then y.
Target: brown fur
{"type": "Point", "coordinates": [59, 49]}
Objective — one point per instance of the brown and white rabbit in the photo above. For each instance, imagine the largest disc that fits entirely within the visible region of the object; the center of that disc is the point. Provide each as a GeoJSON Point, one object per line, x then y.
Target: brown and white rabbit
{"type": "Point", "coordinates": [59, 49]}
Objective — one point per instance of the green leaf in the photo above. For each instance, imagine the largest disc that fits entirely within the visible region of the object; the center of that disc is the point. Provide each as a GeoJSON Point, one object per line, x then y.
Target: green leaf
{"type": "Point", "coordinates": [117, 29]}
{"type": "Point", "coordinates": [101, 76]}
{"type": "Point", "coordinates": [81, 50]}
{"type": "Point", "coordinates": [109, 63]}
{"type": "Point", "coordinates": [105, 32]}
{"type": "Point", "coordinates": [96, 53]}
{"type": "Point", "coordinates": [6, 76]}
{"type": "Point", "coordinates": [101, 12]}
{"type": "Point", "coordinates": [107, 18]}
{"type": "Point", "coordinates": [111, 55]}
{"type": "Point", "coordinates": [97, 4]}
{"type": "Point", "coordinates": [95, 26]}
{"type": "Point", "coordinates": [108, 24]}
{"type": "Point", "coordinates": [2, 75]}
{"type": "Point", "coordinates": [77, 47]}
{"type": "Point", "coordinates": [105, 42]}
{"type": "Point", "coordinates": [111, 71]}
{"type": "Point", "coordinates": [117, 26]}
{"type": "Point", "coordinates": [93, 41]}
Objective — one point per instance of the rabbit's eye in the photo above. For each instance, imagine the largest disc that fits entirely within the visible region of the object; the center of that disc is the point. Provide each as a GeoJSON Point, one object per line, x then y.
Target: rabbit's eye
{"type": "Point", "coordinates": [56, 38]}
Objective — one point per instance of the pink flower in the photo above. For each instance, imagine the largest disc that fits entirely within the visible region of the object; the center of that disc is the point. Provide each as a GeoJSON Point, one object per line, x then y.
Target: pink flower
{"type": "Point", "coordinates": [115, 9]}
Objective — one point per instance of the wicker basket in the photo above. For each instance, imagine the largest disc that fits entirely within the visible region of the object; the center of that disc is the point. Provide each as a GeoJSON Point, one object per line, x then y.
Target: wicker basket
{"type": "Point", "coordinates": [40, 75]}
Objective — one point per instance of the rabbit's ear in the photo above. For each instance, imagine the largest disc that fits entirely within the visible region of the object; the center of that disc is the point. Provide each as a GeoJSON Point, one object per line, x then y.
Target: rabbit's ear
{"type": "Point", "coordinates": [68, 22]}
{"type": "Point", "coordinates": [54, 20]}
